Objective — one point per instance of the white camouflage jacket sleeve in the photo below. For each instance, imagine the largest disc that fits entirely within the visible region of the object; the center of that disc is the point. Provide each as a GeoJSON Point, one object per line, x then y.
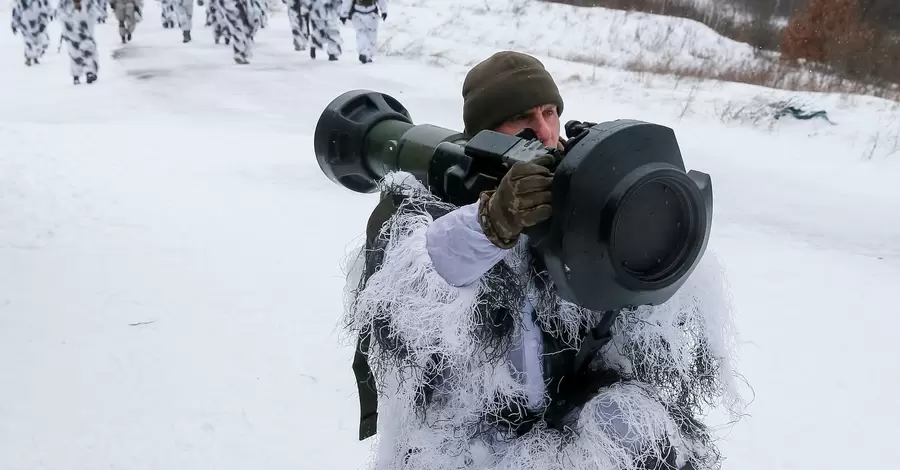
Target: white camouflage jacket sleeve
{"type": "Point", "coordinates": [382, 6]}
{"type": "Point", "coordinates": [458, 248]}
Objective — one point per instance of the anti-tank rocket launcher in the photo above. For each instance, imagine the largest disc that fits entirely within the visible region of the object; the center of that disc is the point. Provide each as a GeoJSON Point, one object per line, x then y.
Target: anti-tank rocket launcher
{"type": "Point", "coordinates": [629, 224]}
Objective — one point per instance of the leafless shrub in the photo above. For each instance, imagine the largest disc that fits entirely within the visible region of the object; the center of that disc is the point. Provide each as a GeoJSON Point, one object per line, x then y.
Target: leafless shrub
{"type": "Point", "coordinates": [761, 111]}
{"type": "Point", "coordinates": [690, 99]}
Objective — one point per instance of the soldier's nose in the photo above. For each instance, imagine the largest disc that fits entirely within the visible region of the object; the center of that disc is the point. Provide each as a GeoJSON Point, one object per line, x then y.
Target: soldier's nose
{"type": "Point", "coordinates": [542, 129]}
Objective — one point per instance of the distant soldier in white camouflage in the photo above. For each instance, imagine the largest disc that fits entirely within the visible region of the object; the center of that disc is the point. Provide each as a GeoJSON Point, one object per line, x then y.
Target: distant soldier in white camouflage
{"type": "Point", "coordinates": [184, 10]}
{"type": "Point", "coordinates": [78, 20]}
{"type": "Point", "coordinates": [298, 13]}
{"type": "Point", "coordinates": [244, 18]}
{"type": "Point", "coordinates": [128, 12]}
{"type": "Point", "coordinates": [167, 13]}
{"type": "Point", "coordinates": [364, 15]}
{"type": "Point", "coordinates": [30, 18]}
{"type": "Point", "coordinates": [323, 27]}
{"type": "Point", "coordinates": [215, 18]}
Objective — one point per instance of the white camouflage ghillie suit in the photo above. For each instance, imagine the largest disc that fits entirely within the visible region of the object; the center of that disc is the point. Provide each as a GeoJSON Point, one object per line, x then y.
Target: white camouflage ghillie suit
{"type": "Point", "coordinates": [245, 18]}
{"type": "Point", "coordinates": [167, 13]}
{"type": "Point", "coordinates": [323, 28]}
{"type": "Point", "coordinates": [78, 20]}
{"type": "Point", "coordinates": [30, 18]}
{"type": "Point", "coordinates": [215, 18]}
{"type": "Point", "coordinates": [458, 331]}
{"type": "Point", "coordinates": [298, 13]}
{"type": "Point", "coordinates": [184, 10]}
{"type": "Point", "coordinates": [364, 15]}
{"type": "Point", "coordinates": [128, 13]}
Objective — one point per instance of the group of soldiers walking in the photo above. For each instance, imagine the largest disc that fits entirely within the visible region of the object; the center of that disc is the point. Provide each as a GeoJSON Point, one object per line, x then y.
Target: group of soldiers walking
{"type": "Point", "coordinates": [314, 25]}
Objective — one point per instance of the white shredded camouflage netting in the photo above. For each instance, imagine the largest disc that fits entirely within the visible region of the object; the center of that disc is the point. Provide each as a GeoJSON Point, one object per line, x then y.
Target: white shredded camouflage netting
{"type": "Point", "coordinates": [675, 360]}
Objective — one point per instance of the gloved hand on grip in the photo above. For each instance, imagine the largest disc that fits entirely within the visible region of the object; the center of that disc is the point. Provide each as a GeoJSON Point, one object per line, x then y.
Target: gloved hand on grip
{"type": "Point", "coordinates": [343, 20]}
{"type": "Point", "coordinates": [384, 17]}
{"type": "Point", "coordinates": [522, 199]}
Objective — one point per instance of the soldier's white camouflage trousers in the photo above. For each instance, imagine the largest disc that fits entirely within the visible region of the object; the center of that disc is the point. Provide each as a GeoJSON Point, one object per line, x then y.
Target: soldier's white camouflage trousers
{"type": "Point", "coordinates": [244, 19]}
{"type": "Point", "coordinates": [30, 18]}
{"type": "Point", "coordinates": [323, 26]}
{"type": "Point", "coordinates": [215, 17]}
{"type": "Point", "coordinates": [167, 13]}
{"type": "Point", "coordinates": [366, 25]}
{"type": "Point", "coordinates": [298, 14]}
{"type": "Point", "coordinates": [36, 46]}
{"type": "Point", "coordinates": [102, 14]}
{"type": "Point", "coordinates": [184, 9]}
{"type": "Point", "coordinates": [78, 32]}
{"type": "Point", "coordinates": [128, 16]}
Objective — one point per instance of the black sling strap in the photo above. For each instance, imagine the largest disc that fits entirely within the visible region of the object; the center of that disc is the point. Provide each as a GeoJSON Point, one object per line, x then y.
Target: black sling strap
{"type": "Point", "coordinates": [365, 381]}
{"type": "Point", "coordinates": [365, 384]}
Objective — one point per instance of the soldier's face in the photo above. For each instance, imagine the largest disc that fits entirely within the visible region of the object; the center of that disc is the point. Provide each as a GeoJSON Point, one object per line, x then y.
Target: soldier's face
{"type": "Point", "coordinates": [543, 120]}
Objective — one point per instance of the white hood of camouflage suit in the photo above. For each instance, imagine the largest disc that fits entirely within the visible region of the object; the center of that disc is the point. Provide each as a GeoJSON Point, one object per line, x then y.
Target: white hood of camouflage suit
{"type": "Point", "coordinates": [615, 430]}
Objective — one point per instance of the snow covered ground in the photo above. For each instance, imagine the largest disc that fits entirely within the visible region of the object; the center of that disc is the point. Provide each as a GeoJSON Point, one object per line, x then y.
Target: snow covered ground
{"type": "Point", "coordinates": [169, 249]}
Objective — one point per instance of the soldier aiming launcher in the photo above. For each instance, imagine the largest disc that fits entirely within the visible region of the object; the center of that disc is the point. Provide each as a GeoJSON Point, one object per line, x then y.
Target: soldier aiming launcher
{"type": "Point", "coordinates": [629, 225]}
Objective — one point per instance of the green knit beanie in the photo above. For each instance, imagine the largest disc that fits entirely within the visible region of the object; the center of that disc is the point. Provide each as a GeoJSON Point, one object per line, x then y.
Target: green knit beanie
{"type": "Point", "coordinates": [503, 85]}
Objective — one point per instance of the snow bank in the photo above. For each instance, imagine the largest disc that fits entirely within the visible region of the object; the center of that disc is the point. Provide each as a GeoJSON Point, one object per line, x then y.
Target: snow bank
{"type": "Point", "coordinates": [592, 35]}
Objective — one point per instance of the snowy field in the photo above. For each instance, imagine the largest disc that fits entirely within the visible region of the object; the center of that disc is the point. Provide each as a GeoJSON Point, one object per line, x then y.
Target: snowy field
{"type": "Point", "coordinates": [436, 28]}
{"type": "Point", "coordinates": [170, 251]}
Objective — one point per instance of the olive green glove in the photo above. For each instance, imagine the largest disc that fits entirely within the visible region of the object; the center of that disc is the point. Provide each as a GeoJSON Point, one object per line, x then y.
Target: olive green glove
{"type": "Point", "coordinates": [522, 199]}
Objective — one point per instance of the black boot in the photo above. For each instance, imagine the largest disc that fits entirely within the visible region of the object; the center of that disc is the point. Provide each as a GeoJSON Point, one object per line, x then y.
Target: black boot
{"type": "Point", "coordinates": [241, 61]}
{"type": "Point", "coordinates": [28, 62]}
{"type": "Point", "coordinates": [91, 77]}
{"type": "Point", "coordinates": [129, 36]}
{"type": "Point", "coordinates": [228, 40]}
{"type": "Point", "coordinates": [76, 80]}
{"type": "Point", "coordinates": [187, 37]}
{"type": "Point", "coordinates": [124, 40]}
{"type": "Point", "coordinates": [36, 62]}
{"type": "Point", "coordinates": [312, 52]}
{"type": "Point", "coordinates": [332, 57]}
